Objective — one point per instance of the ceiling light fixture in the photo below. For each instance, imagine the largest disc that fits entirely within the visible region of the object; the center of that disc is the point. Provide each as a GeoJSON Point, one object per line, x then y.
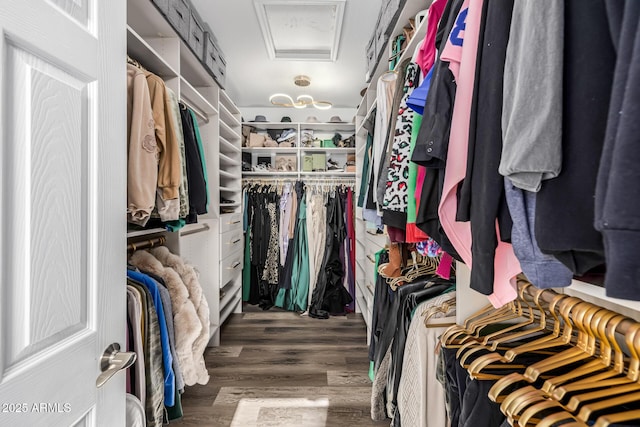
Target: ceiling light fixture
{"type": "Point", "coordinates": [302, 80]}
{"type": "Point", "coordinates": [284, 100]}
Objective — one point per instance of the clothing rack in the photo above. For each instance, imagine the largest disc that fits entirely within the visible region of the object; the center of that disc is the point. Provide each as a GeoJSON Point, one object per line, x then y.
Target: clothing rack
{"type": "Point", "coordinates": [547, 295]}
{"type": "Point", "coordinates": [195, 110]}
{"type": "Point", "coordinates": [135, 63]}
{"type": "Point", "coordinates": [144, 244]}
{"type": "Point", "coordinates": [314, 180]}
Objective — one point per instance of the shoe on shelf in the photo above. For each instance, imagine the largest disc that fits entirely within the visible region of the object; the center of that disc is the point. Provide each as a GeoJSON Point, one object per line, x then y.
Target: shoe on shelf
{"type": "Point", "coordinates": [262, 167]}
{"type": "Point", "coordinates": [332, 165]}
{"type": "Point", "coordinates": [226, 201]}
{"type": "Point", "coordinates": [348, 142]}
{"type": "Point", "coordinates": [286, 134]}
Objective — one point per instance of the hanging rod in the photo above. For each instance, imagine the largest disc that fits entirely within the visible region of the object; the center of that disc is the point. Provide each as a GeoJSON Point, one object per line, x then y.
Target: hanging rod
{"type": "Point", "coordinates": [196, 110]}
{"type": "Point", "coordinates": [145, 244]}
{"type": "Point", "coordinates": [328, 180]}
{"type": "Point", "coordinates": [205, 227]}
{"type": "Point", "coordinates": [548, 295]}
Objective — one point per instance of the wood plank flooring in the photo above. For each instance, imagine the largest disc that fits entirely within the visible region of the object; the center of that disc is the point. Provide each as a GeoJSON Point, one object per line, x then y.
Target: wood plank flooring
{"type": "Point", "coordinates": [276, 368]}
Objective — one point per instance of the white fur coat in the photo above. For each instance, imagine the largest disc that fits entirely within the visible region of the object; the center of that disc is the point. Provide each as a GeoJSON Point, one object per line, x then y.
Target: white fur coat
{"type": "Point", "coordinates": [187, 317]}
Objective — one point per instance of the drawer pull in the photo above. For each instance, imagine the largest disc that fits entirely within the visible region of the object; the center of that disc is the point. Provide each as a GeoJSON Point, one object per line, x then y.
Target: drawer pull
{"type": "Point", "coordinates": [234, 242]}
{"type": "Point", "coordinates": [235, 265]}
{"type": "Point", "coordinates": [370, 258]}
{"type": "Point", "coordinates": [234, 222]}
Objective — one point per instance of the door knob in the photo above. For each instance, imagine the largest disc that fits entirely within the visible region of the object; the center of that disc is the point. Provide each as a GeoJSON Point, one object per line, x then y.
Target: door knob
{"type": "Point", "coordinates": [112, 361]}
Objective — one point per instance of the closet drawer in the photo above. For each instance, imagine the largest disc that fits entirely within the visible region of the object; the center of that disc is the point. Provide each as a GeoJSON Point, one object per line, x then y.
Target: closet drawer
{"type": "Point", "coordinates": [179, 16]}
{"type": "Point", "coordinates": [230, 222]}
{"type": "Point", "coordinates": [231, 242]}
{"type": "Point", "coordinates": [230, 268]}
{"type": "Point", "coordinates": [196, 35]}
{"type": "Point", "coordinates": [162, 5]}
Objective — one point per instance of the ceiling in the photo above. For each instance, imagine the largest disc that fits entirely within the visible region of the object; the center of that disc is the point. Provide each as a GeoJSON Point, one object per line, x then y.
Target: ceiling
{"type": "Point", "coordinates": [252, 77]}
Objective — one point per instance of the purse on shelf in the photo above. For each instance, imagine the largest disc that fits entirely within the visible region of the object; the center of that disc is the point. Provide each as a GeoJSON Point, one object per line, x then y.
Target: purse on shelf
{"type": "Point", "coordinates": [256, 140]}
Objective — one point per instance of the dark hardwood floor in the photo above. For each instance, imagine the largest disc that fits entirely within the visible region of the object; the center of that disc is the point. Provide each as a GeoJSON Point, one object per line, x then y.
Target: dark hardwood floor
{"type": "Point", "coordinates": [276, 368]}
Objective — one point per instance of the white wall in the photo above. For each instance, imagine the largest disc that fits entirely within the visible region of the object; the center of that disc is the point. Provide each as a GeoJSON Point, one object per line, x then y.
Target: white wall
{"type": "Point", "coordinates": [275, 114]}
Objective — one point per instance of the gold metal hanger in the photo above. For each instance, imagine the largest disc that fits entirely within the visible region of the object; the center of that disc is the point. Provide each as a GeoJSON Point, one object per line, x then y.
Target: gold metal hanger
{"type": "Point", "coordinates": [487, 359]}
{"type": "Point", "coordinates": [565, 307]}
{"type": "Point", "coordinates": [540, 402]}
{"type": "Point", "coordinates": [502, 336]}
{"type": "Point", "coordinates": [620, 417]}
{"type": "Point", "coordinates": [529, 401]}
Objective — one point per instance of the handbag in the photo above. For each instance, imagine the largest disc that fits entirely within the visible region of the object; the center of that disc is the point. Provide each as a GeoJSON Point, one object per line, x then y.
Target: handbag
{"type": "Point", "coordinates": [256, 140]}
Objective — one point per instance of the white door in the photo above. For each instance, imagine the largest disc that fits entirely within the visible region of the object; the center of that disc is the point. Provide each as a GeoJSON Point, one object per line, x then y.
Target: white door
{"type": "Point", "coordinates": [62, 205]}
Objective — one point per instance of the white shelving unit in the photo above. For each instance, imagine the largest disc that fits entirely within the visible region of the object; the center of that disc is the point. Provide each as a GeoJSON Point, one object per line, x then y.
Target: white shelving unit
{"type": "Point", "coordinates": [152, 41]}
{"type": "Point", "coordinates": [321, 131]}
{"type": "Point", "coordinates": [230, 230]}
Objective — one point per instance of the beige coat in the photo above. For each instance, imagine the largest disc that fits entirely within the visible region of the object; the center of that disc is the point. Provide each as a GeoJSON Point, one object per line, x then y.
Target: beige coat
{"type": "Point", "coordinates": [142, 163]}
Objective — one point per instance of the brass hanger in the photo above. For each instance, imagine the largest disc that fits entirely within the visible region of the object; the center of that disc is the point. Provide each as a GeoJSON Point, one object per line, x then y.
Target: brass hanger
{"type": "Point", "coordinates": [606, 420]}
{"type": "Point", "coordinates": [586, 411]}
{"type": "Point", "coordinates": [602, 380]}
{"type": "Point", "coordinates": [444, 338]}
{"type": "Point", "coordinates": [625, 385]}
{"type": "Point", "coordinates": [565, 306]}
{"type": "Point", "coordinates": [539, 401]}
{"type": "Point", "coordinates": [529, 398]}
{"type": "Point", "coordinates": [502, 336]}
{"type": "Point", "coordinates": [553, 419]}
{"type": "Point", "coordinates": [603, 389]}
{"type": "Point", "coordinates": [443, 308]}
{"type": "Point", "coordinates": [512, 310]}
{"type": "Point", "coordinates": [487, 359]}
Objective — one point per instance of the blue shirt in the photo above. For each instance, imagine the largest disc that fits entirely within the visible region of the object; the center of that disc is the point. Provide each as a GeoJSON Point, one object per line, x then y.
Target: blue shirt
{"type": "Point", "coordinates": [167, 360]}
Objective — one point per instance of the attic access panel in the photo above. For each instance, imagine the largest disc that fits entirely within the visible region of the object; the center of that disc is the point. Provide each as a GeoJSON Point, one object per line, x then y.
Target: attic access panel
{"type": "Point", "coordinates": [301, 30]}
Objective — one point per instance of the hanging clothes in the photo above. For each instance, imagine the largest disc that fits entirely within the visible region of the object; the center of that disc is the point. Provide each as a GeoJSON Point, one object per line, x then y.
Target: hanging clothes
{"type": "Point", "coordinates": [294, 297]}
{"type": "Point", "coordinates": [317, 228]}
{"type": "Point", "coordinates": [319, 249]}
{"type": "Point", "coordinates": [350, 245]}
{"type": "Point", "coordinates": [433, 137]}
{"type": "Point", "coordinates": [167, 358]}
{"type": "Point", "coordinates": [195, 172]}
{"type": "Point", "coordinates": [136, 383]}
{"type": "Point", "coordinates": [287, 200]}
{"type": "Point", "coordinates": [617, 182]}
{"type": "Point", "coordinates": [270, 273]}
{"type": "Point", "coordinates": [330, 296]}
{"type": "Point", "coordinates": [169, 166]}
{"type": "Point", "coordinates": [397, 189]}
{"type": "Point", "coordinates": [183, 190]}
{"type": "Point", "coordinates": [153, 375]}
{"type": "Point", "coordinates": [190, 309]}
{"type": "Point", "coordinates": [142, 165]}
{"type": "Point", "coordinates": [391, 128]}
{"type": "Point", "coordinates": [564, 205]}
